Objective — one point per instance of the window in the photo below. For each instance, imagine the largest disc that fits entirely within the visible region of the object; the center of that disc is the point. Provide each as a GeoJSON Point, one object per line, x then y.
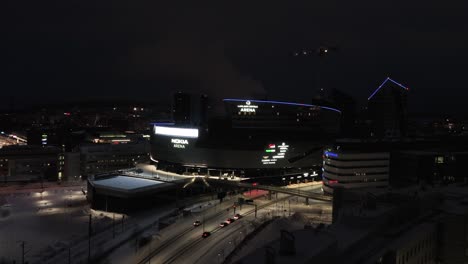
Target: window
{"type": "Point", "coordinates": [439, 159]}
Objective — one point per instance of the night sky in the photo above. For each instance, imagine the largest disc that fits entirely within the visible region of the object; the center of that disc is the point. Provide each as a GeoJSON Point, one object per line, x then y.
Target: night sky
{"type": "Point", "coordinates": [56, 51]}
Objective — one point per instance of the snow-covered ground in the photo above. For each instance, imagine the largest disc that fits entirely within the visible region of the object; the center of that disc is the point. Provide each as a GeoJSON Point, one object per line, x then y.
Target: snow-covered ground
{"type": "Point", "coordinates": [301, 216]}
{"type": "Point", "coordinates": [50, 219]}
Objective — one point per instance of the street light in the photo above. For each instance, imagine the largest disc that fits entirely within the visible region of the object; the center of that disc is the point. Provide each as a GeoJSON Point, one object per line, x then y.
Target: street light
{"type": "Point", "coordinates": [22, 243]}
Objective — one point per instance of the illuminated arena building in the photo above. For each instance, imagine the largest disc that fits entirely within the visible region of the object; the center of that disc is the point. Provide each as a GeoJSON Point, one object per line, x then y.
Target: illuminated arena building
{"type": "Point", "coordinates": [242, 137]}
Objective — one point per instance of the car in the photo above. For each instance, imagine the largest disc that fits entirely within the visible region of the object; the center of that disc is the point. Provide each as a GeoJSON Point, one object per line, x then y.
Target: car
{"type": "Point", "coordinates": [196, 223]}
{"type": "Point", "coordinates": [229, 220]}
{"type": "Point", "coordinates": [223, 224]}
{"type": "Point", "coordinates": [248, 201]}
{"type": "Point", "coordinates": [206, 234]}
{"type": "Point", "coordinates": [237, 216]}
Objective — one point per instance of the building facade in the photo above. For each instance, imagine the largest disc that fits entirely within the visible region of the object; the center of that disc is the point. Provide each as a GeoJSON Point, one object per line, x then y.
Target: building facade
{"type": "Point", "coordinates": [350, 169]}
{"type": "Point", "coordinates": [387, 108]}
{"type": "Point", "coordinates": [100, 158]}
{"type": "Point", "coordinates": [248, 136]}
{"type": "Point", "coordinates": [30, 163]}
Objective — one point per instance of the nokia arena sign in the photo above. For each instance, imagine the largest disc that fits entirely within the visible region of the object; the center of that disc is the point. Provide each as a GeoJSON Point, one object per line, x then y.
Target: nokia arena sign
{"type": "Point", "coordinates": [248, 107]}
{"type": "Point", "coordinates": [179, 143]}
{"type": "Point", "coordinates": [179, 136]}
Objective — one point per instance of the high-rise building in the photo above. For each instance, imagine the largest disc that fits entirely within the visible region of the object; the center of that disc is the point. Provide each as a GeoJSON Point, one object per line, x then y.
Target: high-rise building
{"type": "Point", "coordinates": [347, 105]}
{"type": "Point", "coordinates": [387, 110]}
{"type": "Point", "coordinates": [181, 109]}
{"type": "Point", "coordinates": [204, 109]}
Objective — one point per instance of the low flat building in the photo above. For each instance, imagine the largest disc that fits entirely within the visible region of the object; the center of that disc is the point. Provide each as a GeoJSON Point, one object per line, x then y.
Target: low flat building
{"type": "Point", "coordinates": [125, 193]}
{"type": "Point", "coordinates": [30, 163]}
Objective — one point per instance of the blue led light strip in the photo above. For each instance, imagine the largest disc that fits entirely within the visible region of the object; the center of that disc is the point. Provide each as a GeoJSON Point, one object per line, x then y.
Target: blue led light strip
{"type": "Point", "coordinates": [386, 80]}
{"type": "Point", "coordinates": [331, 154]}
{"type": "Point", "coordinates": [279, 102]}
{"type": "Point", "coordinates": [163, 124]}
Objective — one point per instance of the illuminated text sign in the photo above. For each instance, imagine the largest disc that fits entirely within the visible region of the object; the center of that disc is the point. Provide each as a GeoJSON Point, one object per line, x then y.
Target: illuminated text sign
{"type": "Point", "coordinates": [275, 152]}
{"type": "Point", "coordinates": [179, 143]}
{"type": "Point", "coordinates": [248, 107]}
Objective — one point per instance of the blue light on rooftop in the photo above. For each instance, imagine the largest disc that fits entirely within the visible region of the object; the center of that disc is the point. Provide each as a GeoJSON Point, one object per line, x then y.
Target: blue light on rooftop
{"type": "Point", "coordinates": [383, 83]}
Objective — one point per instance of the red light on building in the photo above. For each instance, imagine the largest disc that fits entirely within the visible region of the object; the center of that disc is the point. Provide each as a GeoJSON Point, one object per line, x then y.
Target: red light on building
{"type": "Point", "coordinates": [271, 145]}
{"type": "Point", "coordinates": [332, 181]}
{"type": "Point", "coordinates": [254, 184]}
{"type": "Point", "coordinates": [67, 113]}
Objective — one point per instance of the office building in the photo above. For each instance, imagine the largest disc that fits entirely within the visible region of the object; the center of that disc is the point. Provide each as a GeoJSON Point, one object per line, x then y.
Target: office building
{"type": "Point", "coordinates": [387, 110]}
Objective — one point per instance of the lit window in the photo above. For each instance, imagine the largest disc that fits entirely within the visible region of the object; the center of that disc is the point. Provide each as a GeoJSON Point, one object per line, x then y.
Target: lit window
{"type": "Point", "coordinates": [439, 159]}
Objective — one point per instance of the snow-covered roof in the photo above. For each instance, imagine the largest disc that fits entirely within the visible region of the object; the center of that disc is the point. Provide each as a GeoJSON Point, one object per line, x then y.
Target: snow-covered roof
{"type": "Point", "coordinates": [125, 183]}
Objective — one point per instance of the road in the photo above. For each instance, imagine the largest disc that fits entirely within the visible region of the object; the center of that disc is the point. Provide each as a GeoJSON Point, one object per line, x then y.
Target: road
{"type": "Point", "coordinates": [182, 243]}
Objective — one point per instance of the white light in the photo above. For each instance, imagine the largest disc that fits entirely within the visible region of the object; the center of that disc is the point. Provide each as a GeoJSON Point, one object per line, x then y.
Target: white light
{"type": "Point", "coordinates": [176, 132]}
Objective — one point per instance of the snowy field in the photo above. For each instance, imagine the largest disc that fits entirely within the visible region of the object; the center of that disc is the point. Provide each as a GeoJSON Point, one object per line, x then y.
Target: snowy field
{"type": "Point", "coordinates": [45, 222]}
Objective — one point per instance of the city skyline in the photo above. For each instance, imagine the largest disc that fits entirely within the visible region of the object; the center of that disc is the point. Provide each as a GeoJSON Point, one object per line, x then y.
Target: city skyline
{"type": "Point", "coordinates": [65, 51]}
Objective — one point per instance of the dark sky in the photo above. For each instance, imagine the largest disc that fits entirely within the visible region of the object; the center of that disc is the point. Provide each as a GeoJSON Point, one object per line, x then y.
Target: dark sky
{"type": "Point", "coordinates": [74, 50]}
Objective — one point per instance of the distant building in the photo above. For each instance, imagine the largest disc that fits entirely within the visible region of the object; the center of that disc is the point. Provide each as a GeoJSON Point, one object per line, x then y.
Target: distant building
{"type": "Point", "coordinates": [387, 110]}
{"type": "Point", "coordinates": [43, 137]}
{"type": "Point", "coordinates": [72, 169]}
{"type": "Point", "coordinates": [182, 108]}
{"type": "Point", "coordinates": [29, 163]}
{"type": "Point", "coordinates": [100, 158]}
{"type": "Point", "coordinates": [347, 105]}
{"type": "Point", "coordinates": [430, 166]}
